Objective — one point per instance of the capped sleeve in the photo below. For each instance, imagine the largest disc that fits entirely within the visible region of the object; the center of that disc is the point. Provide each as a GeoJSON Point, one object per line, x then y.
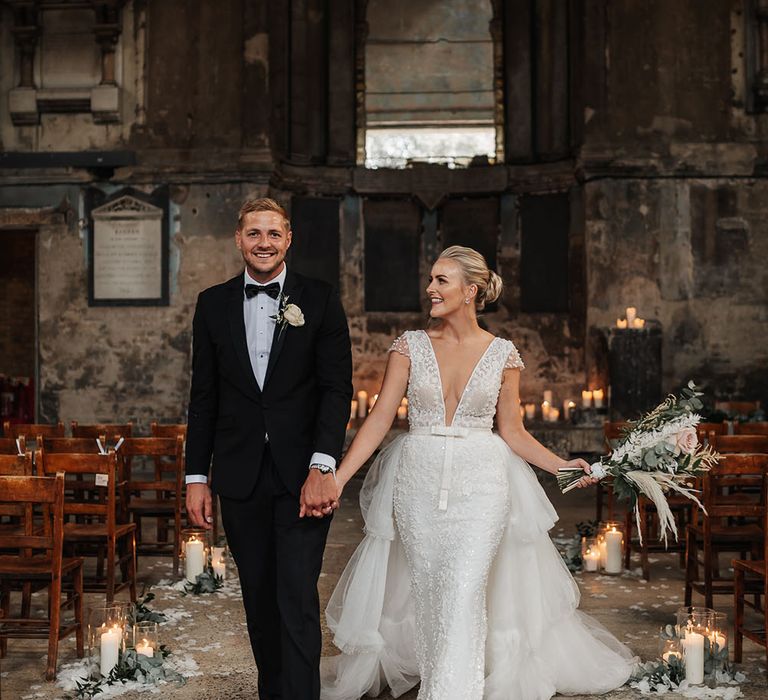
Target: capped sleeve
{"type": "Point", "coordinates": [514, 361]}
{"type": "Point", "coordinates": [400, 345]}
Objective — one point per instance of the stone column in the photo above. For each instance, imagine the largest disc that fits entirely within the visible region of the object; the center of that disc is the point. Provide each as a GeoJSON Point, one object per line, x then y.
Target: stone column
{"type": "Point", "coordinates": [107, 31]}
{"type": "Point", "coordinates": [22, 100]}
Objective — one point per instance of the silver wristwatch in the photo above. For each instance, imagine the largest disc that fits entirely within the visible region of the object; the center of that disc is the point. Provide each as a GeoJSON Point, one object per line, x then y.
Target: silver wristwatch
{"type": "Point", "coordinates": [323, 468]}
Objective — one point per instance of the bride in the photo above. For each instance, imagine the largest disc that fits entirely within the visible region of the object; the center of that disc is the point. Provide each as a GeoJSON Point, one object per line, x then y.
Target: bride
{"type": "Point", "coordinates": [456, 584]}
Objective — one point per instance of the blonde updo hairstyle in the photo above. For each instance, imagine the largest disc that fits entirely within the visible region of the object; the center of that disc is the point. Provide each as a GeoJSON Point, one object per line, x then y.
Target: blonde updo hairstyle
{"type": "Point", "coordinates": [475, 271]}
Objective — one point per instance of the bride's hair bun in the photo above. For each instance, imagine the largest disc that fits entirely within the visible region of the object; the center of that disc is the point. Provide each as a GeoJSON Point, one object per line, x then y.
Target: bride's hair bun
{"type": "Point", "coordinates": [475, 271]}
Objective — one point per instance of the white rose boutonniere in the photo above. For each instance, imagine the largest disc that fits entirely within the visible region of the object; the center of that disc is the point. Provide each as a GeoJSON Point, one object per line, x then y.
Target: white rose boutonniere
{"type": "Point", "coordinates": [288, 315]}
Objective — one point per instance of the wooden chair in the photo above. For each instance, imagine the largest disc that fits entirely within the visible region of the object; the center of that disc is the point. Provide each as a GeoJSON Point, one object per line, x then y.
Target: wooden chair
{"type": "Point", "coordinates": [757, 582]}
{"type": "Point", "coordinates": [160, 496]}
{"type": "Point", "coordinates": [704, 429]}
{"type": "Point", "coordinates": [755, 428]}
{"type": "Point", "coordinates": [30, 430]}
{"type": "Point", "coordinates": [39, 560]}
{"type": "Point", "coordinates": [612, 433]}
{"type": "Point", "coordinates": [732, 523]}
{"type": "Point", "coordinates": [112, 431]}
{"type": "Point", "coordinates": [172, 430]}
{"type": "Point", "coordinates": [13, 445]}
{"type": "Point", "coordinates": [104, 530]}
{"type": "Point", "coordinates": [739, 444]}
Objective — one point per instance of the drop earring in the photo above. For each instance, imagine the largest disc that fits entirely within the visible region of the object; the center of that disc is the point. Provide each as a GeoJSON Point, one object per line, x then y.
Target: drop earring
{"type": "Point", "coordinates": [466, 301]}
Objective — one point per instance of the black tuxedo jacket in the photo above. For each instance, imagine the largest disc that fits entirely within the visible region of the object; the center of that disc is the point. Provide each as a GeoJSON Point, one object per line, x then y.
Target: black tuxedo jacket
{"type": "Point", "coordinates": [303, 405]}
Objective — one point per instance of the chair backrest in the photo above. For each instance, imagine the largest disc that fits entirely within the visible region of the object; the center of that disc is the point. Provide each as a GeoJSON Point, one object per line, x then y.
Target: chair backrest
{"type": "Point", "coordinates": [704, 429]}
{"type": "Point", "coordinates": [613, 432]}
{"type": "Point", "coordinates": [113, 431]}
{"type": "Point", "coordinates": [24, 493]}
{"type": "Point", "coordinates": [739, 444]}
{"type": "Point", "coordinates": [755, 428]}
{"type": "Point", "coordinates": [13, 445]}
{"type": "Point", "coordinates": [168, 456]}
{"type": "Point", "coordinates": [168, 430]}
{"type": "Point", "coordinates": [73, 445]}
{"type": "Point", "coordinates": [91, 482]}
{"type": "Point", "coordinates": [16, 465]}
{"type": "Point", "coordinates": [32, 430]}
{"type": "Point", "coordinates": [735, 486]}
{"type": "Point", "coordinates": [742, 408]}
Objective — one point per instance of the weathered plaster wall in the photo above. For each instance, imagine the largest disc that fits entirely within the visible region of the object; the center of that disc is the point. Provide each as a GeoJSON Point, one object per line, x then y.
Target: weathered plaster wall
{"type": "Point", "coordinates": [691, 254]}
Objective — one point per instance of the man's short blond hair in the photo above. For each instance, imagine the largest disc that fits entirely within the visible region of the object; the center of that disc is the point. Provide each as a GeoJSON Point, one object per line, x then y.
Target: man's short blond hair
{"type": "Point", "coordinates": [261, 204]}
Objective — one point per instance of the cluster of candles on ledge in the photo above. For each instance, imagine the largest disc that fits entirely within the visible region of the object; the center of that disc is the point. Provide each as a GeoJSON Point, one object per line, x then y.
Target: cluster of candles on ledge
{"type": "Point", "coordinates": [590, 398]}
{"type": "Point", "coordinates": [631, 320]}
{"type": "Point", "coordinates": [108, 635]}
{"type": "Point", "coordinates": [363, 404]}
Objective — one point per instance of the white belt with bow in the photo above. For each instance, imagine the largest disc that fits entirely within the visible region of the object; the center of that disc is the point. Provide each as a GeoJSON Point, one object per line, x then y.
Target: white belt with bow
{"type": "Point", "coordinates": [449, 433]}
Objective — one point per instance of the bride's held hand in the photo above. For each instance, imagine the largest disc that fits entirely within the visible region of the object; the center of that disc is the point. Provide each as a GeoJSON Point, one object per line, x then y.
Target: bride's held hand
{"type": "Point", "coordinates": [587, 479]}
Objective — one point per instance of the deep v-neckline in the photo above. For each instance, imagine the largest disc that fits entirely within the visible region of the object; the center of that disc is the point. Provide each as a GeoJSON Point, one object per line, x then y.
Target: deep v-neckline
{"type": "Point", "coordinates": [440, 379]}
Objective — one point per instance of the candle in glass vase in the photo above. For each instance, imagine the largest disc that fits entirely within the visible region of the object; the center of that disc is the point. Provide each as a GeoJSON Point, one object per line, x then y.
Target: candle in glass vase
{"type": "Point", "coordinates": [613, 551]}
{"type": "Point", "coordinates": [402, 413]}
{"type": "Point", "coordinates": [109, 648]}
{"type": "Point", "coordinates": [591, 560]}
{"type": "Point", "coordinates": [220, 568]}
{"type": "Point", "coordinates": [545, 410]}
{"type": "Point", "coordinates": [145, 648]}
{"type": "Point", "coordinates": [639, 323]}
{"type": "Point", "coordinates": [194, 559]}
{"type": "Point", "coordinates": [586, 398]}
{"type": "Point", "coordinates": [717, 638]}
{"type": "Point", "coordinates": [568, 407]}
{"type": "Point", "coordinates": [554, 414]}
{"type": "Point", "coordinates": [530, 411]}
{"type": "Point", "coordinates": [669, 655]}
{"type": "Point", "coordinates": [631, 315]}
{"type": "Point", "coordinates": [601, 550]}
{"type": "Point", "coordinates": [597, 397]}
{"type": "Point", "coordinates": [621, 323]}
{"type": "Point", "coordinates": [362, 404]}
{"type": "Point", "coordinates": [693, 644]}
{"type": "Point", "coordinates": [353, 410]}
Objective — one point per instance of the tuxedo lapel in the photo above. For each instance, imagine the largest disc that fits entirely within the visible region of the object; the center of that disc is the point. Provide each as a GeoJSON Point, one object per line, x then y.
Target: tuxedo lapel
{"type": "Point", "coordinates": [292, 289]}
{"type": "Point", "coordinates": [237, 328]}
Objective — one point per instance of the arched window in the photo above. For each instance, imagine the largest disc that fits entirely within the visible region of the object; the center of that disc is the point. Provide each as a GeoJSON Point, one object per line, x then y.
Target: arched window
{"type": "Point", "coordinates": [429, 83]}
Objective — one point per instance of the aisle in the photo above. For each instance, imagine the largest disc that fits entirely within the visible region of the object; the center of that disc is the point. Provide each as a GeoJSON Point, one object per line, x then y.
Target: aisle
{"type": "Point", "coordinates": [209, 642]}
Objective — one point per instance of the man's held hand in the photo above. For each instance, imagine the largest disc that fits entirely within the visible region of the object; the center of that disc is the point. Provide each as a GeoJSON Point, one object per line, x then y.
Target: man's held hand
{"type": "Point", "coordinates": [319, 495]}
{"type": "Point", "coordinates": [200, 505]}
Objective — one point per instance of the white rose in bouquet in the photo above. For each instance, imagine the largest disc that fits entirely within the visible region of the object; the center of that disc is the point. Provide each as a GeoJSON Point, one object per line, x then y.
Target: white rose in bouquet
{"type": "Point", "coordinates": [685, 441]}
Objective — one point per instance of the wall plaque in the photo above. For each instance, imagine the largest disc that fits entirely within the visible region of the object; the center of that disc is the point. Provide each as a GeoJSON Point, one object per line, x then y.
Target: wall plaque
{"type": "Point", "coordinates": [128, 254]}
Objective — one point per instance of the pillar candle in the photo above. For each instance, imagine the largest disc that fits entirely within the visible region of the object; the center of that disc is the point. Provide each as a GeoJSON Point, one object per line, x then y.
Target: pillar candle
{"type": "Point", "coordinates": [554, 414]}
{"type": "Point", "coordinates": [145, 648]}
{"type": "Point", "coordinates": [717, 638]}
{"type": "Point", "coordinates": [530, 411]}
{"type": "Point", "coordinates": [591, 560]}
{"type": "Point", "coordinates": [194, 560]}
{"type": "Point", "coordinates": [639, 323]}
{"type": "Point", "coordinates": [109, 649]}
{"type": "Point", "coordinates": [402, 413]}
{"type": "Point", "coordinates": [631, 315]}
{"type": "Point", "coordinates": [621, 323]}
{"type": "Point", "coordinates": [601, 551]}
{"type": "Point", "coordinates": [694, 657]}
{"type": "Point", "coordinates": [548, 396]}
{"type": "Point", "coordinates": [353, 410]}
{"type": "Point", "coordinates": [613, 551]}
{"type": "Point", "coordinates": [220, 568]}
{"type": "Point", "coordinates": [586, 398]}
{"type": "Point", "coordinates": [545, 410]}
{"type": "Point", "coordinates": [597, 396]}
{"type": "Point", "coordinates": [362, 404]}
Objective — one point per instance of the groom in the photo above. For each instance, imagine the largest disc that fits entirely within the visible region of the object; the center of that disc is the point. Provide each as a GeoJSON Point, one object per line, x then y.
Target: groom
{"type": "Point", "coordinates": [270, 397]}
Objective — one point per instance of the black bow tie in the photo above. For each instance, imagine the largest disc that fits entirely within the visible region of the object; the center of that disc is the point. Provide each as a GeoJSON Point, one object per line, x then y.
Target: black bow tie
{"type": "Point", "coordinates": [272, 289]}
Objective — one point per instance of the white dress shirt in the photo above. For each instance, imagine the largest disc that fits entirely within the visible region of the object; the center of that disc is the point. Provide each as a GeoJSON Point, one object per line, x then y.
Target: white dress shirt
{"type": "Point", "coordinates": [259, 331]}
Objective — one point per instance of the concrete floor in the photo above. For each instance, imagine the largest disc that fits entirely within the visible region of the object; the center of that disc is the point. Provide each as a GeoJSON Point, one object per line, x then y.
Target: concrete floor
{"type": "Point", "coordinates": [208, 638]}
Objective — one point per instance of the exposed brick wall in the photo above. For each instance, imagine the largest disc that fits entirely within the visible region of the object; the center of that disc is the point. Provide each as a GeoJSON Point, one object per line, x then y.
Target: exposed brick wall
{"type": "Point", "coordinates": [17, 303]}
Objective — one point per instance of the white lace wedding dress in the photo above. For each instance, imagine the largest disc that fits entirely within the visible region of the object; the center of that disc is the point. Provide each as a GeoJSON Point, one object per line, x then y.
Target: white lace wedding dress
{"type": "Point", "coordinates": [456, 583]}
